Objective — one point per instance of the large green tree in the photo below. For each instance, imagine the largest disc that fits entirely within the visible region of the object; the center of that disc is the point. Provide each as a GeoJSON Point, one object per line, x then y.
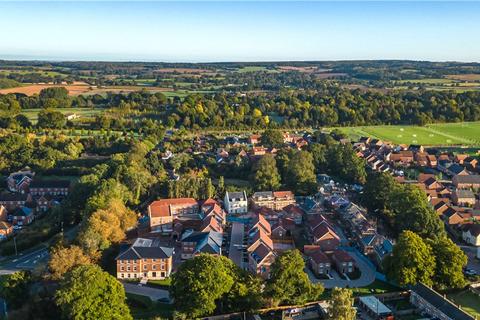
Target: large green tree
{"type": "Point", "coordinates": [49, 118]}
{"type": "Point", "coordinates": [450, 261]}
{"type": "Point", "coordinates": [300, 175]}
{"type": "Point", "coordinates": [265, 174]}
{"type": "Point", "coordinates": [199, 283]}
{"type": "Point", "coordinates": [14, 288]}
{"type": "Point", "coordinates": [272, 138]}
{"type": "Point", "coordinates": [88, 292]}
{"type": "Point", "coordinates": [288, 283]}
{"type": "Point", "coordinates": [414, 213]}
{"type": "Point", "coordinates": [341, 305]}
{"type": "Point", "coordinates": [411, 261]}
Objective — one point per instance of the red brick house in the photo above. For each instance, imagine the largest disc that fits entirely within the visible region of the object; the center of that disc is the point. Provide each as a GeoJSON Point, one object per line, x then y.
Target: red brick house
{"type": "Point", "coordinates": [12, 201]}
{"type": "Point", "coordinates": [162, 213]}
{"type": "Point", "coordinates": [49, 187]}
{"type": "Point", "coordinates": [325, 238]}
{"type": "Point", "coordinates": [343, 262]}
{"type": "Point", "coordinates": [319, 263]}
{"type": "Point", "coordinates": [145, 258]}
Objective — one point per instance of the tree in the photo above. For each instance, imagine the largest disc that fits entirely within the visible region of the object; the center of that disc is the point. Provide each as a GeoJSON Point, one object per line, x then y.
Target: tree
{"type": "Point", "coordinates": [318, 152]}
{"type": "Point", "coordinates": [450, 261]}
{"type": "Point", "coordinates": [288, 283]}
{"type": "Point", "coordinates": [64, 259]}
{"type": "Point", "coordinates": [199, 283]}
{"type": "Point", "coordinates": [49, 118]}
{"type": "Point", "coordinates": [221, 187]}
{"type": "Point", "coordinates": [14, 288]}
{"type": "Point", "coordinates": [88, 292]}
{"type": "Point", "coordinates": [411, 261]}
{"type": "Point", "coordinates": [413, 212]}
{"type": "Point", "coordinates": [378, 192]}
{"type": "Point", "coordinates": [341, 305]}
{"type": "Point", "coordinates": [272, 138]}
{"type": "Point", "coordinates": [301, 173]}
{"type": "Point", "coordinates": [265, 174]}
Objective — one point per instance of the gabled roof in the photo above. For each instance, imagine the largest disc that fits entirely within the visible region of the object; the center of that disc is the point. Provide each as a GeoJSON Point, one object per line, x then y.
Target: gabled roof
{"type": "Point", "coordinates": [263, 237]}
{"type": "Point", "coordinates": [319, 257]}
{"type": "Point", "coordinates": [468, 179]}
{"type": "Point", "coordinates": [322, 230]}
{"type": "Point", "coordinates": [210, 223]}
{"type": "Point", "coordinates": [144, 248]}
{"type": "Point", "coordinates": [261, 253]}
{"type": "Point", "coordinates": [343, 256]}
{"type": "Point", "coordinates": [283, 194]}
{"type": "Point", "coordinates": [455, 168]}
{"type": "Point", "coordinates": [260, 222]}
{"type": "Point", "coordinates": [440, 303]}
{"type": "Point", "coordinates": [207, 242]}
{"type": "Point", "coordinates": [474, 229]}
{"type": "Point", "coordinates": [22, 212]}
{"type": "Point", "coordinates": [5, 225]}
{"type": "Point", "coordinates": [161, 208]}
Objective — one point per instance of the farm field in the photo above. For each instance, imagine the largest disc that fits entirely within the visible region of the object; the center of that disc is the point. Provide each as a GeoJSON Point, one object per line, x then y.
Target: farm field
{"type": "Point", "coordinates": [73, 89]}
{"type": "Point", "coordinates": [465, 133]}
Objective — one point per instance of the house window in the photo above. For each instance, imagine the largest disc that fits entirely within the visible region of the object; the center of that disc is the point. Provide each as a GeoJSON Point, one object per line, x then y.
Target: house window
{"type": "Point", "coordinates": [128, 268]}
{"type": "Point", "coordinates": [154, 267]}
{"type": "Point", "coordinates": [134, 268]}
{"type": "Point", "coordinates": [122, 275]}
{"type": "Point", "coordinates": [122, 268]}
{"type": "Point", "coordinates": [144, 267]}
{"type": "Point", "coordinates": [154, 274]}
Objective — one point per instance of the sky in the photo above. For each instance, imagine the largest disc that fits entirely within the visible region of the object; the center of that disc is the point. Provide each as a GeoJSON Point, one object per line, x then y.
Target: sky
{"type": "Point", "coordinates": [240, 31]}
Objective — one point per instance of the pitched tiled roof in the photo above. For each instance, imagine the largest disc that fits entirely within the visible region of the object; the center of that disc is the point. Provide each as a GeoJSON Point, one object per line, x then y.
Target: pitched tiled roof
{"type": "Point", "coordinates": [207, 242]}
{"type": "Point", "coordinates": [161, 208]}
{"type": "Point", "coordinates": [474, 229]}
{"type": "Point", "coordinates": [319, 257]}
{"type": "Point", "coordinates": [5, 225]}
{"type": "Point", "coordinates": [260, 253]}
{"type": "Point", "coordinates": [283, 194]}
{"type": "Point", "coordinates": [341, 255]}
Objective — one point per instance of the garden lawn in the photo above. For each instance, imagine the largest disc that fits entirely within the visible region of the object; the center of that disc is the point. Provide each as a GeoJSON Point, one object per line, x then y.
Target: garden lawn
{"type": "Point", "coordinates": [468, 301]}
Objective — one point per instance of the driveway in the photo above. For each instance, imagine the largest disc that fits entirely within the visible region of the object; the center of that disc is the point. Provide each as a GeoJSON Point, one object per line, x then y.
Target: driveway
{"type": "Point", "coordinates": [471, 252]}
{"type": "Point", "coordinates": [236, 243]}
{"type": "Point", "coordinates": [153, 293]}
{"type": "Point", "coordinates": [366, 278]}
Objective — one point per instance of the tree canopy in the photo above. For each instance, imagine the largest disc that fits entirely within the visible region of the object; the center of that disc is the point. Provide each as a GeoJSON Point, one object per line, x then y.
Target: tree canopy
{"type": "Point", "coordinates": [88, 292]}
{"type": "Point", "coordinates": [265, 174]}
{"type": "Point", "coordinates": [288, 283]}
{"type": "Point", "coordinates": [341, 305]}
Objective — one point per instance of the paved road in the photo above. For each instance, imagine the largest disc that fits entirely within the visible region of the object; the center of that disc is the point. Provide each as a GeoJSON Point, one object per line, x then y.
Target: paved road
{"type": "Point", "coordinates": [26, 261]}
{"type": "Point", "coordinates": [153, 293]}
{"type": "Point", "coordinates": [236, 241]}
{"type": "Point", "coordinates": [367, 276]}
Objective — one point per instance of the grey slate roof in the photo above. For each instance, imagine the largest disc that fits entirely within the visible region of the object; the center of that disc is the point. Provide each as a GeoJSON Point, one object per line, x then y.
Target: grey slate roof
{"type": "Point", "coordinates": [146, 248]}
{"type": "Point", "coordinates": [440, 303]}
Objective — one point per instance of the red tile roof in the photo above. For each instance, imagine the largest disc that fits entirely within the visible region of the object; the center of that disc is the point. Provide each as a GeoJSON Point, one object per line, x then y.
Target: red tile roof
{"type": "Point", "coordinates": [161, 208]}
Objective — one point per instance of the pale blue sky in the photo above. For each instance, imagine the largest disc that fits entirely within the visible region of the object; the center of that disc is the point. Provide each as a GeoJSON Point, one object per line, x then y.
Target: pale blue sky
{"type": "Point", "coordinates": [240, 31]}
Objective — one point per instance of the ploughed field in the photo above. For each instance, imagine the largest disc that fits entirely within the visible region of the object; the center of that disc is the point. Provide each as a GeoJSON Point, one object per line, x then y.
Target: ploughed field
{"type": "Point", "coordinates": [444, 134]}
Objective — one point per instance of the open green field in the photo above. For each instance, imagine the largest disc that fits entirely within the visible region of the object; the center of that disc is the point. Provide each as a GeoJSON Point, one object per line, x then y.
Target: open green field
{"type": "Point", "coordinates": [256, 69]}
{"type": "Point", "coordinates": [465, 133]}
{"type": "Point", "coordinates": [32, 114]}
{"type": "Point", "coordinates": [468, 300]}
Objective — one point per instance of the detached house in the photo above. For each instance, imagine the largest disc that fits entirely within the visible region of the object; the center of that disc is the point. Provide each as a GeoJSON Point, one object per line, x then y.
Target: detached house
{"type": "Point", "coordinates": [343, 262]}
{"type": "Point", "coordinates": [260, 260]}
{"type": "Point", "coordinates": [145, 258]}
{"type": "Point", "coordinates": [319, 263]}
{"type": "Point", "coordinates": [471, 234]}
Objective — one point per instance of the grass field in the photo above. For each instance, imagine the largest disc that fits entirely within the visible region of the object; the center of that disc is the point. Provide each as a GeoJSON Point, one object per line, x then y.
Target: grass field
{"type": "Point", "coordinates": [255, 69]}
{"type": "Point", "coordinates": [465, 133]}
{"type": "Point", "coordinates": [32, 114]}
{"type": "Point", "coordinates": [469, 301]}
